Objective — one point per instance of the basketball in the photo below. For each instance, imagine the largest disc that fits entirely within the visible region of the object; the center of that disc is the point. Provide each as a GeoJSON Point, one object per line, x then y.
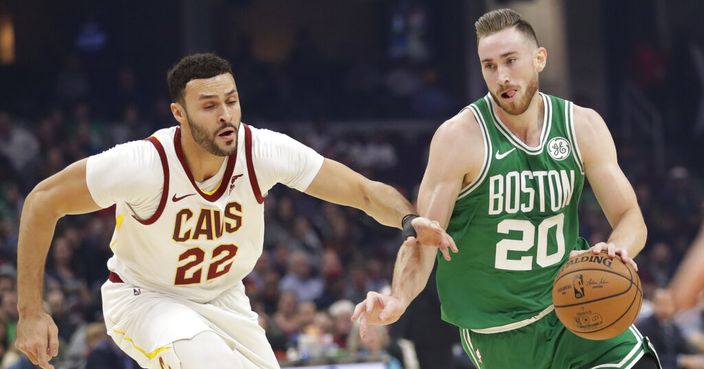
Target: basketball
{"type": "Point", "coordinates": [597, 297]}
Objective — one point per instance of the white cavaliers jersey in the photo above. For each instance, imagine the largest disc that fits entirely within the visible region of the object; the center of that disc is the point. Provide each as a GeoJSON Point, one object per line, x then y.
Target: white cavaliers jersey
{"type": "Point", "coordinates": [194, 243]}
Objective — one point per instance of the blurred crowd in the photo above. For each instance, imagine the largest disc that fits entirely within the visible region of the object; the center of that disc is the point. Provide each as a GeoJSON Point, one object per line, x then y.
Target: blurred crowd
{"type": "Point", "coordinates": [319, 259]}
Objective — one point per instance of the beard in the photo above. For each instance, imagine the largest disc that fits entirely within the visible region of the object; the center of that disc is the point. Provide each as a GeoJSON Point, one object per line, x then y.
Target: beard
{"type": "Point", "coordinates": [519, 107]}
{"type": "Point", "coordinates": [207, 139]}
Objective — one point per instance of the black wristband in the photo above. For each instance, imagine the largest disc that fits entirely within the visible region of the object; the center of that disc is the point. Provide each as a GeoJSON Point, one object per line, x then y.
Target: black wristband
{"type": "Point", "coordinates": [407, 229]}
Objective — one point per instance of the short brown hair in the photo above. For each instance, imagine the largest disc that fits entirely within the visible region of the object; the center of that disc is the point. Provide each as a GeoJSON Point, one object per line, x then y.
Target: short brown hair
{"type": "Point", "coordinates": [501, 19]}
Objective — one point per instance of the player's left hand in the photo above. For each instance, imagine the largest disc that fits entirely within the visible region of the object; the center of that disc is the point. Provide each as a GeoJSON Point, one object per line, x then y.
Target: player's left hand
{"type": "Point", "coordinates": [429, 233]}
{"type": "Point", "coordinates": [612, 251]}
{"type": "Point", "coordinates": [377, 309]}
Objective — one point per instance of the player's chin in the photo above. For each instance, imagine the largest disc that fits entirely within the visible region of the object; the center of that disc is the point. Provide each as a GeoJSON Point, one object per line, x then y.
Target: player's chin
{"type": "Point", "coordinates": [226, 144]}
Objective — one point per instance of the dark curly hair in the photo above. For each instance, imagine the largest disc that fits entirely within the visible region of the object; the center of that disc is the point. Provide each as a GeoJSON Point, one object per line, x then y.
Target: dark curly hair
{"type": "Point", "coordinates": [195, 66]}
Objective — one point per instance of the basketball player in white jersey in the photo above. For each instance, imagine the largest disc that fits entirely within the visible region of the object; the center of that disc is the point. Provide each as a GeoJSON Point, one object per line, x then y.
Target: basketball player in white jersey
{"type": "Point", "coordinates": [189, 226]}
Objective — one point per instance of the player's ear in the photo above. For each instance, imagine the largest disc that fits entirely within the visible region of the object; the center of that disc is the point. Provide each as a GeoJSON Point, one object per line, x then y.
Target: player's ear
{"type": "Point", "coordinates": [540, 59]}
{"type": "Point", "coordinates": [178, 111]}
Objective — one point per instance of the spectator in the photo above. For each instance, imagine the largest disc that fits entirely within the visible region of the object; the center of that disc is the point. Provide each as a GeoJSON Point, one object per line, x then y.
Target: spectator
{"type": "Point", "coordinates": [104, 353]}
{"type": "Point", "coordinates": [691, 323]}
{"type": "Point", "coordinates": [666, 336]}
{"type": "Point", "coordinates": [341, 313]}
{"type": "Point", "coordinates": [17, 143]}
{"type": "Point", "coordinates": [299, 278]}
{"type": "Point", "coordinates": [285, 317]}
{"type": "Point", "coordinates": [375, 347]}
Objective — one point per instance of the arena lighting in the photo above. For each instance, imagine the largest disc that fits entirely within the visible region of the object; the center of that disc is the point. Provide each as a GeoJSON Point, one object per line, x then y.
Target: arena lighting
{"type": "Point", "coordinates": [7, 40]}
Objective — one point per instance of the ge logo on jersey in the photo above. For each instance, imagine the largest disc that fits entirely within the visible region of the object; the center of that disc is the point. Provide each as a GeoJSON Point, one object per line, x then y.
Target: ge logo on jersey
{"type": "Point", "coordinates": [559, 148]}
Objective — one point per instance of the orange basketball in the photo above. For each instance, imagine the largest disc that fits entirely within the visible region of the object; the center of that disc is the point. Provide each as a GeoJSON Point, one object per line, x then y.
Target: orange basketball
{"type": "Point", "coordinates": [597, 297]}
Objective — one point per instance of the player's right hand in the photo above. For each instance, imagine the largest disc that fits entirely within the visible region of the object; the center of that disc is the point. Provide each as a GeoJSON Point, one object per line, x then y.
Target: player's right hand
{"type": "Point", "coordinates": [377, 309]}
{"type": "Point", "coordinates": [38, 338]}
{"type": "Point", "coordinates": [430, 233]}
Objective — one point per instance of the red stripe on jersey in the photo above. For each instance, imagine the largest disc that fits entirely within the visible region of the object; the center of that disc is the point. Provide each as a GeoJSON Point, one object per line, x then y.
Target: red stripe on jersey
{"type": "Point", "coordinates": [165, 190]}
{"type": "Point", "coordinates": [225, 178]}
{"type": "Point", "coordinates": [250, 164]}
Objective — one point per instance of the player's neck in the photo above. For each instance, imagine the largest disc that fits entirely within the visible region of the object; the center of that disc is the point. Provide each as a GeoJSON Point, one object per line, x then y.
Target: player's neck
{"type": "Point", "coordinates": [528, 125]}
{"type": "Point", "coordinates": [201, 163]}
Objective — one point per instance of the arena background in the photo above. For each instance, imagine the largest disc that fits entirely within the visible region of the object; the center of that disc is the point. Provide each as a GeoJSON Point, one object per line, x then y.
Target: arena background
{"type": "Point", "coordinates": [365, 82]}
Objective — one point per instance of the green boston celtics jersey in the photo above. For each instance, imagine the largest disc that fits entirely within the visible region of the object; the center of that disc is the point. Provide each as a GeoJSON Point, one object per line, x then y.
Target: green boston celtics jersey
{"type": "Point", "coordinates": [515, 225]}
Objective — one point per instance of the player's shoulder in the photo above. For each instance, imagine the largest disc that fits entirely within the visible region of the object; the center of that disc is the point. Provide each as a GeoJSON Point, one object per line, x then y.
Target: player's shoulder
{"type": "Point", "coordinates": [133, 149]}
{"type": "Point", "coordinates": [461, 129]}
{"type": "Point", "coordinates": [139, 154]}
{"type": "Point", "coordinates": [588, 124]}
{"type": "Point", "coordinates": [164, 135]}
{"type": "Point", "coordinates": [264, 135]}
{"type": "Point", "coordinates": [586, 116]}
{"type": "Point", "coordinates": [130, 172]}
{"type": "Point", "coordinates": [266, 141]}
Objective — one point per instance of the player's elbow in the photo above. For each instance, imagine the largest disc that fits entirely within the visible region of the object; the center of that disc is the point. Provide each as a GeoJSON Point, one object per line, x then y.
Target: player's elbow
{"type": "Point", "coordinates": [642, 232]}
{"type": "Point", "coordinates": [40, 201]}
{"type": "Point", "coordinates": [368, 190]}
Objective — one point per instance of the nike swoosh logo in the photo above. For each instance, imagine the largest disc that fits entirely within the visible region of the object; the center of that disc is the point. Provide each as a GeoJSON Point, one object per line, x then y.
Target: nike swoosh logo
{"type": "Point", "coordinates": [500, 156]}
{"type": "Point", "coordinates": [234, 178]}
{"type": "Point", "coordinates": [179, 198]}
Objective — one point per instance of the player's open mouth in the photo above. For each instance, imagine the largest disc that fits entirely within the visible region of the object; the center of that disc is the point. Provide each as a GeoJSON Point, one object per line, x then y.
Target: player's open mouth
{"type": "Point", "coordinates": [227, 133]}
{"type": "Point", "coordinates": [509, 93]}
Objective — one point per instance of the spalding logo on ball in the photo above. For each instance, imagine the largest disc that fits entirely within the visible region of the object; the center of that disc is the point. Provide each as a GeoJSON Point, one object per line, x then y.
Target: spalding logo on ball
{"type": "Point", "coordinates": [597, 297]}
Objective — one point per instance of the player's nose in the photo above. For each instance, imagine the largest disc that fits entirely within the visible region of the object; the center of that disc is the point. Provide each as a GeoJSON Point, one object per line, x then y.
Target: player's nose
{"type": "Point", "coordinates": [503, 76]}
{"type": "Point", "coordinates": [225, 115]}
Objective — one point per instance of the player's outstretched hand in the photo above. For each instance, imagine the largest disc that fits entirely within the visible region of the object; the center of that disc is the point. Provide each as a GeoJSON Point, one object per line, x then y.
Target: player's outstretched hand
{"type": "Point", "coordinates": [38, 338]}
{"type": "Point", "coordinates": [611, 249]}
{"type": "Point", "coordinates": [429, 233]}
{"type": "Point", "coordinates": [377, 309]}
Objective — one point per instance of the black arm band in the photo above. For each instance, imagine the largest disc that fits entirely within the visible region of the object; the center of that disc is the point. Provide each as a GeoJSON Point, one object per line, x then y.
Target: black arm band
{"type": "Point", "coordinates": [407, 227]}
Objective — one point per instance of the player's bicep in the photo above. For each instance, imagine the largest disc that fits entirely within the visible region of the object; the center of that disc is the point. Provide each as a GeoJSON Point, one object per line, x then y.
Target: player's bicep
{"type": "Point", "coordinates": [437, 194]}
{"type": "Point", "coordinates": [452, 156]}
{"type": "Point", "coordinates": [613, 191]}
{"type": "Point", "coordinates": [66, 192]}
{"type": "Point", "coordinates": [610, 185]}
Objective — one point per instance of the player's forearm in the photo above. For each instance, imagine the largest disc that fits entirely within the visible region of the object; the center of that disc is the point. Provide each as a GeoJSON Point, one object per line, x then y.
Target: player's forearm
{"type": "Point", "coordinates": [414, 263]}
{"type": "Point", "coordinates": [630, 232]}
{"type": "Point", "coordinates": [37, 225]}
{"type": "Point", "coordinates": [385, 204]}
{"type": "Point", "coordinates": [689, 279]}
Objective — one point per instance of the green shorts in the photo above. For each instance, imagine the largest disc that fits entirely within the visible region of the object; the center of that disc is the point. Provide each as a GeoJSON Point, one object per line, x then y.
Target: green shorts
{"type": "Point", "coordinates": [547, 344]}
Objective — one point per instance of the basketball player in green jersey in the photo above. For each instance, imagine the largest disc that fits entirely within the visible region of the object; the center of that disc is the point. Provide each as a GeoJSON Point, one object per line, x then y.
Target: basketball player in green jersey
{"type": "Point", "coordinates": [504, 176]}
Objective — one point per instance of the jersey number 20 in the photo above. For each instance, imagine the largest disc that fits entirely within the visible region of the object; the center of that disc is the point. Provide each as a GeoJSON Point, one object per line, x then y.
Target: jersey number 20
{"type": "Point", "coordinates": [527, 242]}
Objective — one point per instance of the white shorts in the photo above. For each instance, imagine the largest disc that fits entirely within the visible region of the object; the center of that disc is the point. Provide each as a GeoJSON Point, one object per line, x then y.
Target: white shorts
{"type": "Point", "coordinates": [146, 323]}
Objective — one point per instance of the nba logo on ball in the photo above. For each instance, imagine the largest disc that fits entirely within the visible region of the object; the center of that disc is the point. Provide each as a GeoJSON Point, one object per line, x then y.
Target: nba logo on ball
{"type": "Point", "coordinates": [578, 285]}
{"type": "Point", "coordinates": [559, 148]}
